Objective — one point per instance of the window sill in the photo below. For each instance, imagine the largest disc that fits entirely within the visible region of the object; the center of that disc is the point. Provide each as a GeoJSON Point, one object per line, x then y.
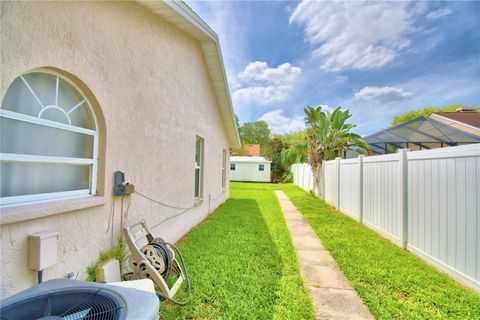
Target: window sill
{"type": "Point", "coordinates": [34, 210]}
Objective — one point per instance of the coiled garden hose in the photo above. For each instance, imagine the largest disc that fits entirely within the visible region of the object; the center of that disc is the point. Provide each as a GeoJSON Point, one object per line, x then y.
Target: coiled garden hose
{"type": "Point", "coordinates": [163, 250]}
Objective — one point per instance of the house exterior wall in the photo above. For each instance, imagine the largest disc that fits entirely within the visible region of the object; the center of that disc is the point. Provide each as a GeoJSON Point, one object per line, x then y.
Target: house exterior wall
{"type": "Point", "coordinates": [248, 171]}
{"type": "Point", "coordinates": [153, 95]}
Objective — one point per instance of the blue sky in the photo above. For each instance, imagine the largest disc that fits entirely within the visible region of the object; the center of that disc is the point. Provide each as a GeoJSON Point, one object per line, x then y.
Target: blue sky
{"type": "Point", "coordinates": [378, 59]}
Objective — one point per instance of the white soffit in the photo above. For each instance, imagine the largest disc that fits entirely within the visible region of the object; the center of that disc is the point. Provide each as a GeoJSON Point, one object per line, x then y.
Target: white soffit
{"type": "Point", "coordinates": [179, 14]}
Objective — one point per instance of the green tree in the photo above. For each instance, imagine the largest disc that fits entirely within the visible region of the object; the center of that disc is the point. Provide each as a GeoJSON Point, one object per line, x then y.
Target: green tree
{"type": "Point", "coordinates": [255, 132]}
{"type": "Point", "coordinates": [296, 150]}
{"type": "Point", "coordinates": [285, 150]}
{"type": "Point", "coordinates": [427, 111]}
{"type": "Point", "coordinates": [240, 151]}
{"type": "Point", "coordinates": [273, 152]}
{"type": "Point", "coordinates": [328, 135]}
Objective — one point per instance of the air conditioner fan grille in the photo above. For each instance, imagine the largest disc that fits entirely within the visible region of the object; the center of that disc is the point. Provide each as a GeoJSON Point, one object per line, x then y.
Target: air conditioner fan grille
{"type": "Point", "coordinates": [68, 304]}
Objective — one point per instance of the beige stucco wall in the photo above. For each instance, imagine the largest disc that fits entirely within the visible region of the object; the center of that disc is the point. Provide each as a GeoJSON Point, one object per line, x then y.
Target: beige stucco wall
{"type": "Point", "coordinates": [152, 86]}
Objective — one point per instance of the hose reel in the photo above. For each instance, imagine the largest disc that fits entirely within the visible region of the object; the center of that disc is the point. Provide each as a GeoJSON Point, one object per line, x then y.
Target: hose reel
{"type": "Point", "coordinates": [161, 255]}
{"type": "Point", "coordinates": [156, 260]}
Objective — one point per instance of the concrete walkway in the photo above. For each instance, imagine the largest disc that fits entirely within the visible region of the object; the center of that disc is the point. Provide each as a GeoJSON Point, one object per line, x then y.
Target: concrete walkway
{"type": "Point", "coordinates": [332, 295]}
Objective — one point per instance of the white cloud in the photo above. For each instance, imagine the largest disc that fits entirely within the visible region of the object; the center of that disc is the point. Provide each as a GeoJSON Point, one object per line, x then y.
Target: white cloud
{"type": "Point", "coordinates": [260, 71]}
{"type": "Point", "coordinates": [440, 13]}
{"type": "Point", "coordinates": [263, 95]}
{"type": "Point", "coordinates": [279, 123]}
{"type": "Point", "coordinates": [340, 79]}
{"type": "Point", "coordinates": [383, 94]}
{"type": "Point", "coordinates": [356, 35]}
{"type": "Point", "coordinates": [263, 85]}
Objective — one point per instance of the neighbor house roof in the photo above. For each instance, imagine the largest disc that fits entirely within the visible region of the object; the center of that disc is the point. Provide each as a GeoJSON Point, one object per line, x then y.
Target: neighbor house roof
{"type": "Point", "coordinates": [469, 118]}
{"type": "Point", "coordinates": [180, 15]}
{"type": "Point", "coordinates": [420, 130]}
{"type": "Point", "coordinates": [249, 159]}
{"type": "Point", "coordinates": [253, 150]}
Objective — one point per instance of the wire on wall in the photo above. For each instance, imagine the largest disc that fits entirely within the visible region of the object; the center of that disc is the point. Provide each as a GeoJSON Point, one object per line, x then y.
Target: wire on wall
{"type": "Point", "coordinates": [123, 213]}
{"type": "Point", "coordinates": [183, 209]}
{"type": "Point", "coordinates": [162, 203]}
{"type": "Point", "coordinates": [111, 221]}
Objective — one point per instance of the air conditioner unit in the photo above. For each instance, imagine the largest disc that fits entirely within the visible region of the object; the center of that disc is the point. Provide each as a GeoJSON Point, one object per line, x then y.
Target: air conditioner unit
{"type": "Point", "coordinates": [80, 300]}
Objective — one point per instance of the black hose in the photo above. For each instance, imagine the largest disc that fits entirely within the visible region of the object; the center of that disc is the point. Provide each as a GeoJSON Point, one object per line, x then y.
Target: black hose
{"type": "Point", "coordinates": [184, 269]}
{"type": "Point", "coordinates": [162, 250]}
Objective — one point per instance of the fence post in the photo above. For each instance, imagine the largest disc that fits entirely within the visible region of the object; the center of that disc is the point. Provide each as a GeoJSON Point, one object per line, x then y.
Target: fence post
{"type": "Point", "coordinates": [322, 173]}
{"type": "Point", "coordinates": [337, 168]}
{"type": "Point", "coordinates": [302, 183]}
{"type": "Point", "coordinates": [403, 196]}
{"type": "Point", "coordinates": [360, 188]}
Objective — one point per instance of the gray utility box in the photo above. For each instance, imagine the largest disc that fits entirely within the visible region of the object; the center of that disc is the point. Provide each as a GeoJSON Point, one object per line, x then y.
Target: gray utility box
{"type": "Point", "coordinates": [42, 250]}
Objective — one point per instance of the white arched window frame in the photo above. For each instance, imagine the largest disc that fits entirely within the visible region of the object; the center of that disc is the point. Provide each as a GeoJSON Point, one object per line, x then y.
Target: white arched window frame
{"type": "Point", "coordinates": [66, 126]}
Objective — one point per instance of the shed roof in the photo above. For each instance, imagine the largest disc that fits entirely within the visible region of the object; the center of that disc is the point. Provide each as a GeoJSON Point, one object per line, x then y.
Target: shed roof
{"type": "Point", "coordinates": [182, 16]}
{"type": "Point", "coordinates": [249, 159]}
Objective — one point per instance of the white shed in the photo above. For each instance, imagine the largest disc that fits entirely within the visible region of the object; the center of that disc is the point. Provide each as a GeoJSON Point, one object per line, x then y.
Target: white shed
{"type": "Point", "coordinates": [255, 169]}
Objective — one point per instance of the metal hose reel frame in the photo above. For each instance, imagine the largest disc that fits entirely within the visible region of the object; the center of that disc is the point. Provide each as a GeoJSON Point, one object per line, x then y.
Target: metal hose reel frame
{"type": "Point", "coordinates": [160, 262]}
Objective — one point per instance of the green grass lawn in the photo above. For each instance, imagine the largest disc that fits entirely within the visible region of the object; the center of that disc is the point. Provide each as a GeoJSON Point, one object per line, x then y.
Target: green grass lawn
{"type": "Point", "coordinates": [394, 283]}
{"type": "Point", "coordinates": [242, 263]}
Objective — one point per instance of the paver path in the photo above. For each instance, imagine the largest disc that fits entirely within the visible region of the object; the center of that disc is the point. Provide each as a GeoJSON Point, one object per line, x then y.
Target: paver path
{"type": "Point", "coordinates": [332, 295]}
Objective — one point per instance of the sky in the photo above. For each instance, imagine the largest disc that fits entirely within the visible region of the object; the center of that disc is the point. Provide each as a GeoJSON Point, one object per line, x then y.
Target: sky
{"type": "Point", "coordinates": [378, 59]}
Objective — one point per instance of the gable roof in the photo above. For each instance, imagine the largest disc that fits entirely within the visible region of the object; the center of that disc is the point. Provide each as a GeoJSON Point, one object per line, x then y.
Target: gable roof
{"type": "Point", "coordinates": [183, 17]}
{"type": "Point", "coordinates": [469, 118]}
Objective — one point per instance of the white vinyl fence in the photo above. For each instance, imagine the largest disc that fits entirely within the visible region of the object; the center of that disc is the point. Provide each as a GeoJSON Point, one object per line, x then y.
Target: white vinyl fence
{"type": "Point", "coordinates": [425, 201]}
{"type": "Point", "coordinates": [302, 176]}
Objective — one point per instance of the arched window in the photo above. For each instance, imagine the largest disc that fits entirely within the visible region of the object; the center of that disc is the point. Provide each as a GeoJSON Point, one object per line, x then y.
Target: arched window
{"type": "Point", "coordinates": [49, 140]}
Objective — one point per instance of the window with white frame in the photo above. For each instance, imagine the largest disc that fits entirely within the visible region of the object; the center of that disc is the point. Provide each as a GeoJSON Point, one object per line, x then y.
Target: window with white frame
{"type": "Point", "coordinates": [224, 169]}
{"type": "Point", "coordinates": [199, 168]}
{"type": "Point", "coordinates": [261, 167]}
{"type": "Point", "coordinates": [49, 140]}
{"type": "Point", "coordinates": [232, 166]}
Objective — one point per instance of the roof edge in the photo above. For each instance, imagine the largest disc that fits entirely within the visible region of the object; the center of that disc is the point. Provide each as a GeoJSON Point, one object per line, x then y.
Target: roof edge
{"type": "Point", "coordinates": [433, 115]}
{"type": "Point", "coordinates": [391, 127]}
{"type": "Point", "coordinates": [435, 123]}
{"type": "Point", "coordinates": [192, 17]}
{"type": "Point", "coordinates": [249, 159]}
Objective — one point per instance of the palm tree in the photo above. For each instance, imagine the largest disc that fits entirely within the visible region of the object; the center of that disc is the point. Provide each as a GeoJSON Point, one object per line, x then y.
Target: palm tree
{"type": "Point", "coordinates": [295, 152]}
{"type": "Point", "coordinates": [329, 135]}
